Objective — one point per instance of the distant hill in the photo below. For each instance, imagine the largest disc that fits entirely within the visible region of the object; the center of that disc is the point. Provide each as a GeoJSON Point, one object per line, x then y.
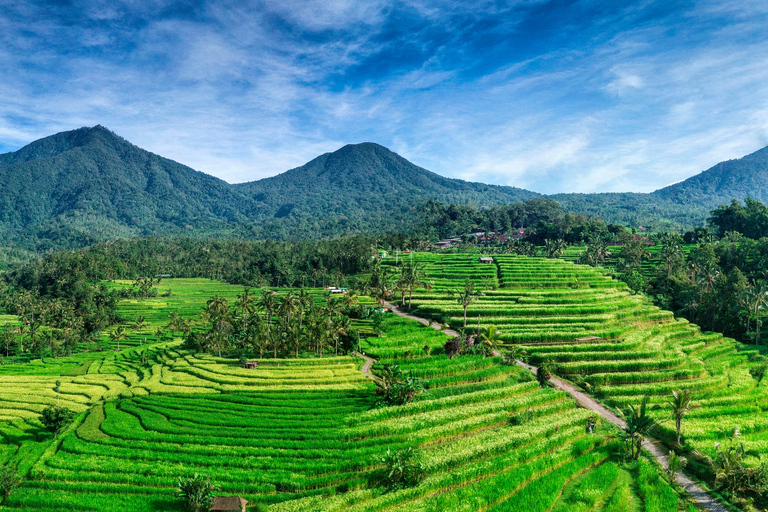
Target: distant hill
{"type": "Point", "coordinates": [365, 187]}
{"type": "Point", "coordinates": [76, 187]}
{"type": "Point", "coordinates": [732, 179]}
{"type": "Point", "coordinates": [683, 204]}
{"type": "Point", "coordinates": [91, 184]}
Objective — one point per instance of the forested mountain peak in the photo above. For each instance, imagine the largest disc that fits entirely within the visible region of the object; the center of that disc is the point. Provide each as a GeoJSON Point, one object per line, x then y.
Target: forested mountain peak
{"type": "Point", "coordinates": [732, 179]}
{"type": "Point", "coordinates": [89, 184]}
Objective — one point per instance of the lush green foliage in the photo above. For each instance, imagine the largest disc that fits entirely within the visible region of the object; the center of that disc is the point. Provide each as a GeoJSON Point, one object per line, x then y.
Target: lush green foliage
{"type": "Point", "coordinates": [198, 492]}
{"type": "Point", "coordinates": [56, 418]}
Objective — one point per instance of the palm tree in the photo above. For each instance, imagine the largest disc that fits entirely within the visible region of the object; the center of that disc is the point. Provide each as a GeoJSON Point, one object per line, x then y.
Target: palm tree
{"type": "Point", "coordinates": [671, 251]}
{"type": "Point", "coordinates": [466, 297]}
{"type": "Point", "coordinates": [246, 306]}
{"type": "Point", "coordinates": [340, 326]}
{"type": "Point", "coordinates": [639, 425]}
{"type": "Point", "coordinates": [414, 277]}
{"type": "Point", "coordinates": [268, 302]}
{"type": "Point", "coordinates": [709, 274]}
{"type": "Point", "coordinates": [118, 335]}
{"type": "Point", "coordinates": [554, 248]}
{"type": "Point", "coordinates": [7, 338]}
{"type": "Point", "coordinates": [289, 305]}
{"type": "Point", "coordinates": [490, 337]}
{"type": "Point", "coordinates": [21, 330]}
{"type": "Point", "coordinates": [139, 324]}
{"type": "Point", "coordinates": [176, 323]}
{"type": "Point", "coordinates": [681, 403]}
{"type": "Point", "coordinates": [753, 300]}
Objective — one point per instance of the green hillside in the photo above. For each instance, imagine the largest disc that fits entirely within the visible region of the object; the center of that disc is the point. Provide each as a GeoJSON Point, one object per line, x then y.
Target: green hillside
{"type": "Point", "coordinates": [365, 188]}
{"type": "Point", "coordinates": [74, 188]}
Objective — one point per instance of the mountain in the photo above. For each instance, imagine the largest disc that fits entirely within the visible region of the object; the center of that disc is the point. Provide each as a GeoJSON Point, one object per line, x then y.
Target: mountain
{"type": "Point", "coordinates": [76, 187]}
{"type": "Point", "coordinates": [683, 204]}
{"type": "Point", "coordinates": [93, 184]}
{"type": "Point", "coordinates": [745, 177]}
{"type": "Point", "coordinates": [89, 184]}
{"type": "Point", "coordinates": [365, 186]}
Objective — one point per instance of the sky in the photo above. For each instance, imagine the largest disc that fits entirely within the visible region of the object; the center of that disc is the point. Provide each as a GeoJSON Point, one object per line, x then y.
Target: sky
{"type": "Point", "coordinates": [551, 96]}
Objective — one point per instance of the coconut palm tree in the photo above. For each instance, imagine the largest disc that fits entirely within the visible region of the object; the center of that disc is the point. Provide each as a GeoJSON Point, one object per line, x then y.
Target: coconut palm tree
{"type": "Point", "coordinates": [466, 296]}
{"type": "Point", "coordinates": [118, 335]}
{"type": "Point", "coordinates": [639, 425]}
{"type": "Point", "coordinates": [268, 302]}
{"type": "Point", "coordinates": [681, 404]}
{"type": "Point", "coordinates": [139, 324]}
{"type": "Point", "coordinates": [246, 305]}
{"type": "Point", "coordinates": [414, 277]}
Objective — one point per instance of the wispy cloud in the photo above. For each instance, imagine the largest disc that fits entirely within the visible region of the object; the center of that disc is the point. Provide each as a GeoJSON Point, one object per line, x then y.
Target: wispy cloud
{"type": "Point", "coordinates": [592, 96]}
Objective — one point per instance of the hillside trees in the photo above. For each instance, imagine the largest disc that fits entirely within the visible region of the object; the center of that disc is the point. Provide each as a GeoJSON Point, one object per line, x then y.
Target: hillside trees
{"type": "Point", "coordinates": [281, 324]}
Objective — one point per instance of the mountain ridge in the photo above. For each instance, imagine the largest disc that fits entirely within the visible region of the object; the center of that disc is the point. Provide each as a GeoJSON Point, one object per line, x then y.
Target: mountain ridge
{"type": "Point", "coordinates": [90, 184]}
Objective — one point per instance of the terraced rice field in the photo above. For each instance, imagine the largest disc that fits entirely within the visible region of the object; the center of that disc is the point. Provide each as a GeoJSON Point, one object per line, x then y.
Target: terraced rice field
{"type": "Point", "coordinates": [617, 346]}
{"type": "Point", "coordinates": [480, 457]}
{"type": "Point", "coordinates": [302, 435]}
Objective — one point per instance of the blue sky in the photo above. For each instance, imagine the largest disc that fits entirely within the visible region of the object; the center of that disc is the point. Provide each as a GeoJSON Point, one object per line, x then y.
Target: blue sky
{"type": "Point", "coordinates": [552, 96]}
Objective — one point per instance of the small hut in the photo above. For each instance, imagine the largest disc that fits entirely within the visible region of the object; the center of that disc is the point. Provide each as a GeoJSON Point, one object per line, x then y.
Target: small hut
{"type": "Point", "coordinates": [229, 503]}
{"type": "Point", "coordinates": [486, 259]}
{"type": "Point", "coordinates": [250, 365]}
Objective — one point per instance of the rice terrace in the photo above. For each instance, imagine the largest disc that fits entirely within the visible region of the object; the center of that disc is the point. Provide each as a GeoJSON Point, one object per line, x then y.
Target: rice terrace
{"type": "Point", "coordinates": [383, 256]}
{"type": "Point", "coordinates": [306, 434]}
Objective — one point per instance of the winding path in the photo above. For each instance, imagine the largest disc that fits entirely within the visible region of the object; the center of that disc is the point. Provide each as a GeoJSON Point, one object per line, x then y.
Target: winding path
{"type": "Point", "coordinates": [694, 490]}
{"type": "Point", "coordinates": [366, 369]}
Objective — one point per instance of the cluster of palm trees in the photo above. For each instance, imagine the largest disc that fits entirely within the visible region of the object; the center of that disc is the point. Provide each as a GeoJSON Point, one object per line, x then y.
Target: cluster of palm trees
{"type": "Point", "coordinates": [754, 300]}
{"type": "Point", "coordinates": [639, 424]}
{"type": "Point", "coordinates": [595, 254]}
{"type": "Point", "coordinates": [383, 283]}
{"type": "Point", "coordinates": [280, 324]}
{"type": "Point", "coordinates": [35, 338]}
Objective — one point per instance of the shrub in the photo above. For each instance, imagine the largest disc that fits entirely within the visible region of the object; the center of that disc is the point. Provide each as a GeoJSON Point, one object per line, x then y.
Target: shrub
{"type": "Point", "coordinates": [198, 491]}
{"type": "Point", "coordinates": [543, 374]}
{"type": "Point", "coordinates": [56, 418]}
{"type": "Point", "coordinates": [404, 468]}
{"type": "Point", "coordinates": [9, 480]}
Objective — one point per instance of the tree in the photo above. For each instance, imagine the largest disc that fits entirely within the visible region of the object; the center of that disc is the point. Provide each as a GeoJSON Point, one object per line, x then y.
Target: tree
{"type": "Point", "coordinates": [56, 418]}
{"type": "Point", "coordinates": [543, 373]}
{"type": "Point", "coordinates": [759, 371]}
{"type": "Point", "coordinates": [466, 297]}
{"type": "Point", "coordinates": [404, 468]}
{"type": "Point", "coordinates": [754, 300]}
{"type": "Point", "coordinates": [139, 324]}
{"type": "Point", "coordinates": [118, 335]}
{"type": "Point", "coordinates": [674, 465]}
{"type": "Point", "coordinates": [9, 480]}
{"type": "Point", "coordinates": [396, 387]}
{"type": "Point", "coordinates": [512, 354]}
{"type": "Point", "coordinates": [554, 248]}
{"type": "Point", "coordinates": [7, 339]}
{"type": "Point", "coordinates": [639, 425]}
{"type": "Point", "coordinates": [246, 305]}
{"type": "Point", "coordinates": [681, 404]}
{"type": "Point", "coordinates": [489, 338]}
{"type": "Point", "coordinates": [268, 302]}
{"type": "Point", "coordinates": [414, 277]}
{"type": "Point", "coordinates": [406, 388]}
{"type": "Point", "coordinates": [731, 472]}
{"type": "Point", "coordinates": [198, 492]}
{"type": "Point", "coordinates": [634, 253]}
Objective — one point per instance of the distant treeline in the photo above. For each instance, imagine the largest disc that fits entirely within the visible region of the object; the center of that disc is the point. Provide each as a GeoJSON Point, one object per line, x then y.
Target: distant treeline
{"type": "Point", "coordinates": [542, 219]}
